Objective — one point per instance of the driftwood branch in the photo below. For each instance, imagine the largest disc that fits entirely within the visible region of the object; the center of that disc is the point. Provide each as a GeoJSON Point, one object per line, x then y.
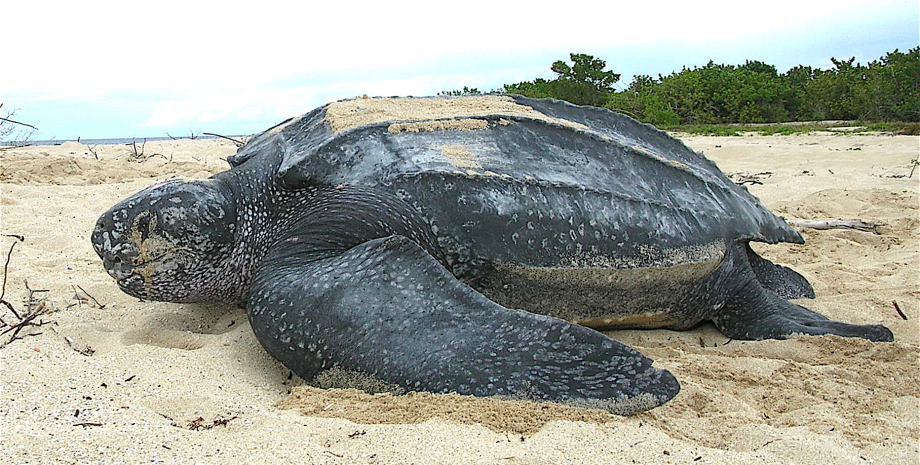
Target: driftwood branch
{"type": "Point", "coordinates": [837, 224]}
{"type": "Point", "coordinates": [742, 178]}
{"type": "Point", "coordinates": [7, 126]}
{"type": "Point", "coordinates": [238, 143]}
{"type": "Point", "coordinates": [19, 123]}
{"type": "Point", "coordinates": [16, 122]}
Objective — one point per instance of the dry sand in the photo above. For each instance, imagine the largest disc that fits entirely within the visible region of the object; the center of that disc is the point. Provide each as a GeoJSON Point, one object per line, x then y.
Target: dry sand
{"type": "Point", "coordinates": [170, 383]}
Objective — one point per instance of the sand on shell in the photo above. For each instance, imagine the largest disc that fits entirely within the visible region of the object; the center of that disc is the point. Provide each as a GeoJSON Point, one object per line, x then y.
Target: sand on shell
{"type": "Point", "coordinates": [171, 383]}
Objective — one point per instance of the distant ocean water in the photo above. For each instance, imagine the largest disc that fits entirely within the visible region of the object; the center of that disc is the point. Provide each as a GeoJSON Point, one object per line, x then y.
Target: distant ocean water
{"type": "Point", "coordinates": [123, 140]}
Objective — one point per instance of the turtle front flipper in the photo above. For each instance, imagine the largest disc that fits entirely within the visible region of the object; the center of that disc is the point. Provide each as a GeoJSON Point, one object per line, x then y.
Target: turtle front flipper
{"type": "Point", "coordinates": [754, 312]}
{"type": "Point", "coordinates": [388, 309]}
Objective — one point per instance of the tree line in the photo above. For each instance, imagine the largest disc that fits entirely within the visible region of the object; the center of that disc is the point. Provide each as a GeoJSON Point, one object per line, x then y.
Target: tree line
{"type": "Point", "coordinates": [887, 89]}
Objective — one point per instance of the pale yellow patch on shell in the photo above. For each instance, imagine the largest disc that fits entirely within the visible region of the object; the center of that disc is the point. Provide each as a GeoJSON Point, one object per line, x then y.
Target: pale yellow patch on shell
{"type": "Point", "coordinates": [348, 114]}
{"type": "Point", "coordinates": [648, 152]}
{"type": "Point", "coordinates": [438, 125]}
{"type": "Point", "coordinates": [460, 157]}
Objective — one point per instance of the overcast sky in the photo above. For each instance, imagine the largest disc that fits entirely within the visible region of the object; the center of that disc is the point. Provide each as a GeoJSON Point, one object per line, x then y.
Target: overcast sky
{"type": "Point", "coordinates": [142, 69]}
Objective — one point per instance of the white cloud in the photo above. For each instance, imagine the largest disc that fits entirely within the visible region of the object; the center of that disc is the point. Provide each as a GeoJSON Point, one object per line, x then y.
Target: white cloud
{"type": "Point", "coordinates": [191, 63]}
{"type": "Point", "coordinates": [178, 44]}
{"type": "Point", "coordinates": [272, 103]}
{"type": "Point", "coordinates": [244, 104]}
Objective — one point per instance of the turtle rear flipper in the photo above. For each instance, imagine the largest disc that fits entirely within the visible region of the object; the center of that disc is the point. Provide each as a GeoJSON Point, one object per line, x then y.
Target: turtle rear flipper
{"type": "Point", "coordinates": [754, 312]}
{"type": "Point", "coordinates": [388, 309]}
{"type": "Point", "coordinates": [785, 282]}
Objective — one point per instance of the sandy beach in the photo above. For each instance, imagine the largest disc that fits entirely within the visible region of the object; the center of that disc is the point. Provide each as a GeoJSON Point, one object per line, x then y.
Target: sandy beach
{"type": "Point", "coordinates": [112, 379]}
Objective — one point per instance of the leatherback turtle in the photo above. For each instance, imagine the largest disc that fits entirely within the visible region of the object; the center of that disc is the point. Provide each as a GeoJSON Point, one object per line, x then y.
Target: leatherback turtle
{"type": "Point", "coordinates": [398, 237]}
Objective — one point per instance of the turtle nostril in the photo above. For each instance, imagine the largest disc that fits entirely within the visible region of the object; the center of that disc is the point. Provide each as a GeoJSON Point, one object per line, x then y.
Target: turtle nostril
{"type": "Point", "coordinates": [116, 261]}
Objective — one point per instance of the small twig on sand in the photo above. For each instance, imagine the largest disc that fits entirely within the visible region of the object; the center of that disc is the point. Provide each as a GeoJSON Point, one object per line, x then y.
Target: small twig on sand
{"type": "Point", "coordinates": [914, 164]}
{"type": "Point", "coordinates": [898, 309]}
{"type": "Point", "coordinates": [85, 296]}
{"type": "Point", "coordinates": [5, 266]}
{"type": "Point", "coordinates": [238, 143]}
{"type": "Point", "coordinates": [837, 224]}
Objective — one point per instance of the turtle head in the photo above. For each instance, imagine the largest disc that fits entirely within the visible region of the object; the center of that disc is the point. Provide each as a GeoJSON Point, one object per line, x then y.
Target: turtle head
{"type": "Point", "coordinates": [169, 242]}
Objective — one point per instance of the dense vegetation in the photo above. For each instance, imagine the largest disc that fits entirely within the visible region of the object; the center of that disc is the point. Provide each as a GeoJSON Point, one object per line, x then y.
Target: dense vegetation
{"type": "Point", "coordinates": [887, 89]}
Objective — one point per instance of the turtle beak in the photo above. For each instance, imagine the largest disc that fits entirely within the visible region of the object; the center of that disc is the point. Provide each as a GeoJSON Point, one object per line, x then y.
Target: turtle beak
{"type": "Point", "coordinates": [116, 254]}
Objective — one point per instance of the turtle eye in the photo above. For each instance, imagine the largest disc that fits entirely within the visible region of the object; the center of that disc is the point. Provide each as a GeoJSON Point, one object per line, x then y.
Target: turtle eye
{"type": "Point", "coordinates": [141, 226]}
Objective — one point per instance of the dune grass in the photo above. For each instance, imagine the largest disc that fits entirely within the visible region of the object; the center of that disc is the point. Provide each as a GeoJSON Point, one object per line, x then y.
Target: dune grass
{"type": "Point", "coordinates": [845, 127]}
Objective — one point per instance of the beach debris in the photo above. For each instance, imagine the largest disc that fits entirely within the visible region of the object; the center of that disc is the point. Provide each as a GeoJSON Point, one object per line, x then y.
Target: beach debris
{"type": "Point", "coordinates": [837, 224]}
{"type": "Point", "coordinates": [742, 178]}
{"type": "Point", "coordinates": [92, 150]}
{"type": "Point", "coordinates": [238, 142]}
{"type": "Point", "coordinates": [87, 351]}
{"type": "Point", "coordinates": [914, 163]}
{"type": "Point", "coordinates": [31, 317]}
{"type": "Point", "coordinates": [199, 423]}
{"type": "Point", "coordinates": [36, 307]}
{"type": "Point", "coordinates": [139, 156]}
{"type": "Point", "coordinates": [8, 128]}
{"type": "Point", "coordinates": [897, 308]}
{"type": "Point", "coordinates": [81, 296]}
{"type": "Point", "coordinates": [17, 122]}
{"type": "Point", "coordinates": [19, 237]}
{"type": "Point", "coordinates": [191, 135]}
